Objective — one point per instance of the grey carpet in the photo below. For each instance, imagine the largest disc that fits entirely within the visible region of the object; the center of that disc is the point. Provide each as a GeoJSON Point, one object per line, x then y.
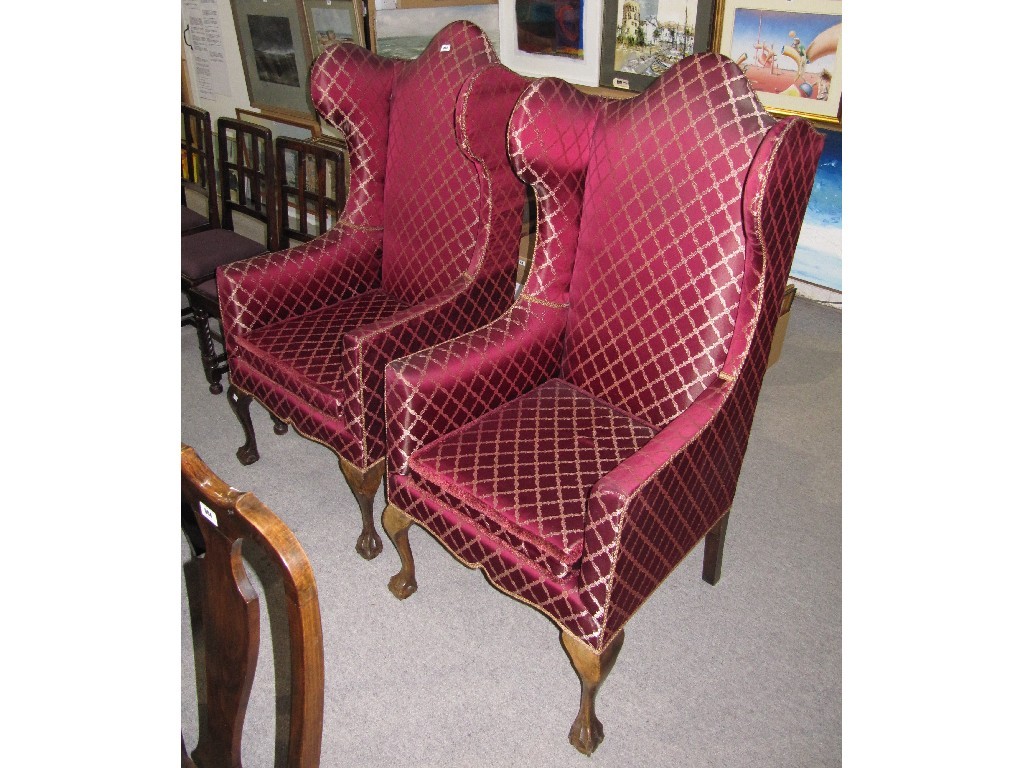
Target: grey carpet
{"type": "Point", "coordinates": [746, 673]}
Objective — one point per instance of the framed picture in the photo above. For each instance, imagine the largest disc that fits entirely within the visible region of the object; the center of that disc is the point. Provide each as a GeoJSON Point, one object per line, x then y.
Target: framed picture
{"type": "Point", "coordinates": [791, 52]}
{"type": "Point", "coordinates": [333, 21]}
{"type": "Point", "coordinates": [643, 38]}
{"type": "Point", "coordinates": [403, 33]}
{"type": "Point", "coordinates": [437, 3]}
{"type": "Point", "coordinates": [560, 38]}
{"type": "Point", "coordinates": [282, 125]}
{"type": "Point", "coordinates": [275, 52]}
{"type": "Point", "coordinates": [819, 250]}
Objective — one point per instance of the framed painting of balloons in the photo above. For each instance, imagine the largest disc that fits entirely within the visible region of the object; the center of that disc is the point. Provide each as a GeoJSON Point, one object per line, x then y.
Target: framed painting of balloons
{"type": "Point", "coordinates": [791, 52]}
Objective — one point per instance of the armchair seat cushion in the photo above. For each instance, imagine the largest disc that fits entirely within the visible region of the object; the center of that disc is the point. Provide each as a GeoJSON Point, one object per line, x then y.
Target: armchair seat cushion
{"type": "Point", "coordinates": [305, 354]}
{"type": "Point", "coordinates": [202, 253]}
{"type": "Point", "coordinates": [525, 469]}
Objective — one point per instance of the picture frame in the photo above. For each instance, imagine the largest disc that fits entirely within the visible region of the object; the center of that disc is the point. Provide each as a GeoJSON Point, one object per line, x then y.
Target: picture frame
{"type": "Point", "coordinates": [582, 70]}
{"type": "Point", "coordinates": [276, 56]}
{"type": "Point", "coordinates": [331, 21]}
{"type": "Point", "coordinates": [439, 3]}
{"type": "Point", "coordinates": [791, 52]}
{"type": "Point", "coordinates": [636, 48]}
{"type": "Point", "coordinates": [282, 125]}
{"type": "Point", "coordinates": [403, 32]}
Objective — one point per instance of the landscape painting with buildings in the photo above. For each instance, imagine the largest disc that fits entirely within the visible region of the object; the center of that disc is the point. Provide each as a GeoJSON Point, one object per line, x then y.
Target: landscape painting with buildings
{"type": "Point", "coordinates": [651, 35]}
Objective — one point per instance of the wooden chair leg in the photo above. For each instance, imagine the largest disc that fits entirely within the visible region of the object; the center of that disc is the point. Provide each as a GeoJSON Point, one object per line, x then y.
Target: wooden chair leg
{"type": "Point", "coordinates": [207, 351]}
{"type": "Point", "coordinates": [396, 524]}
{"type": "Point", "coordinates": [280, 427]}
{"type": "Point", "coordinates": [592, 668]}
{"type": "Point", "coordinates": [364, 484]}
{"type": "Point", "coordinates": [240, 403]}
{"type": "Point", "coordinates": [714, 547]}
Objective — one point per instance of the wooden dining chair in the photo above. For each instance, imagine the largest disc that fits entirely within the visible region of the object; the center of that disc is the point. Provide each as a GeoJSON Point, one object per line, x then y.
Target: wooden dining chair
{"type": "Point", "coordinates": [223, 519]}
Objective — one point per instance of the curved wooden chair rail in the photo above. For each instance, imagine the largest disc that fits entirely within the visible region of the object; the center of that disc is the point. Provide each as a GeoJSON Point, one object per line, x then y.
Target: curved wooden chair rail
{"type": "Point", "coordinates": [224, 517]}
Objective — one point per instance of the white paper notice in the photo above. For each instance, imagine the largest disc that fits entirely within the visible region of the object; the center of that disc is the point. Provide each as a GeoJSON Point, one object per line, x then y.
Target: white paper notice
{"type": "Point", "coordinates": [203, 37]}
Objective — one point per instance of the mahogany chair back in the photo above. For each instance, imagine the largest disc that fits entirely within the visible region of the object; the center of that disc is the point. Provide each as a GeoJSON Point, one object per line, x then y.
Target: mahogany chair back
{"type": "Point", "coordinates": [198, 169]}
{"type": "Point", "coordinates": [217, 520]}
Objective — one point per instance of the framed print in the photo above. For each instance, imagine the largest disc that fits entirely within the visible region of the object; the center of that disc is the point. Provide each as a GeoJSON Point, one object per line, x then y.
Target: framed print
{"type": "Point", "coordinates": [643, 38]}
{"type": "Point", "coordinates": [333, 21]}
{"type": "Point", "coordinates": [437, 3]}
{"type": "Point", "coordinates": [560, 38]}
{"type": "Point", "coordinates": [282, 125]}
{"type": "Point", "coordinates": [275, 52]}
{"type": "Point", "coordinates": [791, 52]}
{"type": "Point", "coordinates": [403, 33]}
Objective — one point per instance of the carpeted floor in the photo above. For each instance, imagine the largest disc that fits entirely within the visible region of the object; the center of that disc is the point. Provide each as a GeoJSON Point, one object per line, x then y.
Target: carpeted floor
{"type": "Point", "coordinates": [746, 673]}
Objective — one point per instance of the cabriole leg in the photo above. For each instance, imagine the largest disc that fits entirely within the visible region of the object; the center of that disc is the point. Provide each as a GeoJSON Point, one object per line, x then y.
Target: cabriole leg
{"type": "Point", "coordinates": [240, 403]}
{"type": "Point", "coordinates": [364, 485]}
{"type": "Point", "coordinates": [714, 548]}
{"type": "Point", "coordinates": [397, 523]}
{"type": "Point", "coordinates": [592, 668]}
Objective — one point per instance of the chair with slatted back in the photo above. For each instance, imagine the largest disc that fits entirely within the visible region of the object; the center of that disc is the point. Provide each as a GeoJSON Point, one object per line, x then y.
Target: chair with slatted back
{"type": "Point", "coordinates": [310, 196]}
{"type": "Point", "coordinates": [311, 179]}
{"type": "Point", "coordinates": [248, 187]}
{"type": "Point", "coordinates": [198, 170]}
{"type": "Point", "coordinates": [425, 250]}
{"type": "Point", "coordinates": [579, 446]}
{"type": "Point", "coordinates": [222, 519]}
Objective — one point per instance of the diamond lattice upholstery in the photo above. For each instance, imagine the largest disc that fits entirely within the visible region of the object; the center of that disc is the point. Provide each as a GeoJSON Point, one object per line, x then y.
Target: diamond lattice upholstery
{"type": "Point", "coordinates": [527, 467]}
{"type": "Point", "coordinates": [425, 250]}
{"type": "Point", "coordinates": [580, 445]}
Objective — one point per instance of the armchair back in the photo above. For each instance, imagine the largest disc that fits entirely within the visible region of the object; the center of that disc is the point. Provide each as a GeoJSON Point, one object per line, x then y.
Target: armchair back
{"type": "Point", "coordinates": [658, 275]}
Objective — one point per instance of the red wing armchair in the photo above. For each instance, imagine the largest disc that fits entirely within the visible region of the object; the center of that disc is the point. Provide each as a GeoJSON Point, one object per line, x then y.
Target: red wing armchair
{"type": "Point", "coordinates": [579, 446]}
{"type": "Point", "coordinates": [426, 249]}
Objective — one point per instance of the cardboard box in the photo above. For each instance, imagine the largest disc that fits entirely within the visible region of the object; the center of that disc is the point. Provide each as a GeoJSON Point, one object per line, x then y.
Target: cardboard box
{"type": "Point", "coordinates": [781, 325]}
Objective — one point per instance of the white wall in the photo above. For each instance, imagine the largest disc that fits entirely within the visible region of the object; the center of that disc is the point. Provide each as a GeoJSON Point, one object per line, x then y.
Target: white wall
{"type": "Point", "coordinates": [221, 105]}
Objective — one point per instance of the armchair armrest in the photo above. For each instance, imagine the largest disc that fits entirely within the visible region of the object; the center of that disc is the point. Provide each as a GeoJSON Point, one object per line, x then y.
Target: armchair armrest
{"type": "Point", "coordinates": [672, 491]}
{"type": "Point", "coordinates": [274, 286]}
{"type": "Point", "coordinates": [433, 392]}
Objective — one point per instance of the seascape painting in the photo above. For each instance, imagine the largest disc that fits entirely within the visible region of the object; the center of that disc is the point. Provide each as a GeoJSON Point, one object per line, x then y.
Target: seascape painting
{"type": "Point", "coordinates": [404, 33]}
{"type": "Point", "coordinates": [331, 26]}
{"type": "Point", "coordinates": [274, 50]}
{"type": "Point", "coordinates": [819, 251]}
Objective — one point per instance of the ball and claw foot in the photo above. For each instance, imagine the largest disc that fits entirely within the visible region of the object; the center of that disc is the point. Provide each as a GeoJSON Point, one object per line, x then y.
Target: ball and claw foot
{"type": "Point", "coordinates": [247, 455]}
{"type": "Point", "coordinates": [401, 586]}
{"type": "Point", "coordinates": [369, 545]}
{"type": "Point", "coordinates": [280, 428]}
{"type": "Point", "coordinates": [216, 388]}
{"type": "Point", "coordinates": [586, 735]}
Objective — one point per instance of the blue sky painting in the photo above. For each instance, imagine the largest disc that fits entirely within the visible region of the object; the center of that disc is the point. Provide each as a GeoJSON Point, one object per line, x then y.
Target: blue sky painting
{"type": "Point", "coordinates": [819, 251]}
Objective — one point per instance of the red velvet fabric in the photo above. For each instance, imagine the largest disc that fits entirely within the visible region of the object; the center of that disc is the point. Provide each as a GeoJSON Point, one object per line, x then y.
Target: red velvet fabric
{"type": "Point", "coordinates": [666, 230]}
{"type": "Point", "coordinates": [425, 250]}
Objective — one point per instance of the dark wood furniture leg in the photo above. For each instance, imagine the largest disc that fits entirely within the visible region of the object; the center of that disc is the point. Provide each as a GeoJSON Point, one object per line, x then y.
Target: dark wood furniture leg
{"type": "Point", "coordinates": [211, 360]}
{"type": "Point", "coordinates": [280, 427]}
{"type": "Point", "coordinates": [592, 668]}
{"type": "Point", "coordinates": [714, 547]}
{"type": "Point", "coordinates": [396, 524]}
{"type": "Point", "coordinates": [364, 484]}
{"type": "Point", "coordinates": [240, 403]}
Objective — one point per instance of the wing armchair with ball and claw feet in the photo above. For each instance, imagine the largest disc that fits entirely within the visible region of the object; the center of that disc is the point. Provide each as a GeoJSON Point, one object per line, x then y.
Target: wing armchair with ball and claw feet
{"type": "Point", "coordinates": [425, 250]}
{"type": "Point", "coordinates": [579, 446]}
